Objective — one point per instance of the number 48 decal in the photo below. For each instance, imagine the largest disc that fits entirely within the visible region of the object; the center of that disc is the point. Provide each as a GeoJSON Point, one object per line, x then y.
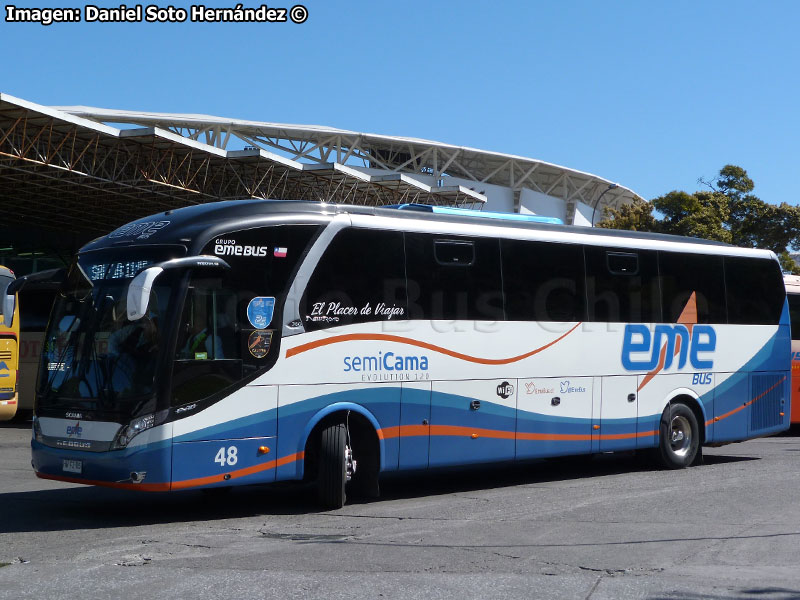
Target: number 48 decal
{"type": "Point", "coordinates": [226, 456]}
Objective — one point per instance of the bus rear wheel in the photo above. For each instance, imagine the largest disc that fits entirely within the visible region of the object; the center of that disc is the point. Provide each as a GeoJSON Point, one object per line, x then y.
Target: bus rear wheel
{"type": "Point", "coordinates": [679, 439]}
{"type": "Point", "coordinates": [332, 466]}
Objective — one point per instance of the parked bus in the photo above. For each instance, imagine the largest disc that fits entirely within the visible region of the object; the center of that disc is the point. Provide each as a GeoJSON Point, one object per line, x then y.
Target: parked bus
{"type": "Point", "coordinates": [9, 351]}
{"type": "Point", "coordinates": [792, 283]}
{"type": "Point", "coordinates": [258, 341]}
{"type": "Point", "coordinates": [38, 301]}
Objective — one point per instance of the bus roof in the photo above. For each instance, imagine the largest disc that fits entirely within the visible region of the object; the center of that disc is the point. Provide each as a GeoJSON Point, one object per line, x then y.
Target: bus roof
{"type": "Point", "coordinates": [194, 226]}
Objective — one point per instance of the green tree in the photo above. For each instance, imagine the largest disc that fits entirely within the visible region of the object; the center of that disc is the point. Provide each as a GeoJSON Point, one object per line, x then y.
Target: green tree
{"type": "Point", "coordinates": [727, 212]}
{"type": "Point", "coordinates": [636, 216]}
{"type": "Point", "coordinates": [702, 214]}
{"type": "Point", "coordinates": [734, 182]}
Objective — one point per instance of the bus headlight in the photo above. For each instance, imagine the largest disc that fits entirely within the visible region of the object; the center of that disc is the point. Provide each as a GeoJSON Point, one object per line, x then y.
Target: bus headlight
{"type": "Point", "coordinates": [37, 430]}
{"type": "Point", "coordinates": [130, 431]}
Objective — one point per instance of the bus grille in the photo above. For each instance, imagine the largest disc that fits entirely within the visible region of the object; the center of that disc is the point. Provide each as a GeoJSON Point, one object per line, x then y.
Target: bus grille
{"type": "Point", "coordinates": [5, 354]}
{"type": "Point", "coordinates": [768, 392]}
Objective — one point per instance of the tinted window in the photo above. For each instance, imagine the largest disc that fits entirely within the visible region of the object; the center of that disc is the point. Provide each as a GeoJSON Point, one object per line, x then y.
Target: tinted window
{"type": "Point", "coordinates": [682, 274]}
{"type": "Point", "coordinates": [453, 278]}
{"type": "Point", "coordinates": [755, 290]}
{"type": "Point", "coordinates": [622, 263]}
{"type": "Point", "coordinates": [34, 309]}
{"type": "Point", "coordinates": [208, 357]}
{"type": "Point", "coordinates": [360, 278]}
{"type": "Point", "coordinates": [5, 281]}
{"type": "Point", "coordinates": [622, 285]}
{"type": "Point", "coordinates": [454, 253]}
{"type": "Point", "coordinates": [231, 322]}
{"type": "Point", "coordinates": [543, 281]}
{"type": "Point", "coordinates": [794, 314]}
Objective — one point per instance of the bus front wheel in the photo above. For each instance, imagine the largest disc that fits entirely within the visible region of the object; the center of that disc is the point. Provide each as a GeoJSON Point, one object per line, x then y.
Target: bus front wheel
{"type": "Point", "coordinates": [679, 439]}
{"type": "Point", "coordinates": [332, 466]}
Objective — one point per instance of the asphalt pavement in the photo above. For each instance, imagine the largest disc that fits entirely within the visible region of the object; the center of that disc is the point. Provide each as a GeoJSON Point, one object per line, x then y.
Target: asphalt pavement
{"type": "Point", "coordinates": [611, 527]}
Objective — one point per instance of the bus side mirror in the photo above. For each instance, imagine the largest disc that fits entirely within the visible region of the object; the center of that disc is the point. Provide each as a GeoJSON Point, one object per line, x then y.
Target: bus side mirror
{"type": "Point", "coordinates": [140, 286]}
{"type": "Point", "coordinates": [139, 292]}
{"type": "Point", "coordinates": [9, 304]}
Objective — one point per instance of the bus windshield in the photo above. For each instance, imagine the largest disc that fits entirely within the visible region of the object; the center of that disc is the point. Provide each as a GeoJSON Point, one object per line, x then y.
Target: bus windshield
{"type": "Point", "coordinates": [93, 357]}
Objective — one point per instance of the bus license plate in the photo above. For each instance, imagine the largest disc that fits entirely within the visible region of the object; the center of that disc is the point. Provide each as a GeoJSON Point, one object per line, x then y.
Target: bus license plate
{"type": "Point", "coordinates": [72, 466]}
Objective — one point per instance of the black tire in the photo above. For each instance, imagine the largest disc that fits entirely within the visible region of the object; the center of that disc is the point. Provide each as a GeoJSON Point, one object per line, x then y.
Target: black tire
{"type": "Point", "coordinates": [679, 437]}
{"type": "Point", "coordinates": [332, 474]}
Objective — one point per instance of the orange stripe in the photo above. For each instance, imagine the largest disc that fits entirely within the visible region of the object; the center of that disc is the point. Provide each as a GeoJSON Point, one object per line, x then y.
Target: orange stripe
{"type": "Point", "coordinates": [746, 404]}
{"type": "Point", "coordinates": [388, 433]}
{"type": "Point", "coordinates": [627, 436]}
{"type": "Point", "coordinates": [553, 437]}
{"type": "Point", "coordinates": [272, 464]}
{"type": "Point", "coordinates": [661, 361]}
{"type": "Point", "coordinates": [179, 485]}
{"type": "Point", "coordinates": [403, 340]}
{"type": "Point", "coordinates": [453, 430]}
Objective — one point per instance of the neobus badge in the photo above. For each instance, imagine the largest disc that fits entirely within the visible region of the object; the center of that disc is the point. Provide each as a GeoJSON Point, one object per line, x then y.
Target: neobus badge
{"type": "Point", "coordinates": [677, 340]}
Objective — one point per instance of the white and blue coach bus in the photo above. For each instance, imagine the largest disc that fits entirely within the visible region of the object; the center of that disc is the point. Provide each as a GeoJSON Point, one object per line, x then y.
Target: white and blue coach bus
{"type": "Point", "coordinates": [259, 341]}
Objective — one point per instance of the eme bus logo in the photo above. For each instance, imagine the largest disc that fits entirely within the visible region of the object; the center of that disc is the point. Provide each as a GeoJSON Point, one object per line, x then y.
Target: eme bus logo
{"type": "Point", "coordinates": [643, 350]}
{"type": "Point", "coordinates": [75, 430]}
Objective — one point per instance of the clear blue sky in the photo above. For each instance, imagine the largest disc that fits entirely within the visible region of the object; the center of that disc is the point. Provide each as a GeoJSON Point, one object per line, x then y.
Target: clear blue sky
{"type": "Point", "coordinates": [652, 95]}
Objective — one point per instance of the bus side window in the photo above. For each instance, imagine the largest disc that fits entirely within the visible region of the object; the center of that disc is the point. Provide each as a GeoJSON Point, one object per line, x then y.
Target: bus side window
{"type": "Point", "coordinates": [208, 325]}
{"type": "Point", "coordinates": [752, 290]}
{"type": "Point", "coordinates": [454, 278]}
{"type": "Point", "coordinates": [543, 281]}
{"type": "Point", "coordinates": [207, 359]}
{"type": "Point", "coordinates": [622, 285]}
{"type": "Point", "coordinates": [684, 273]}
{"type": "Point", "coordinates": [360, 278]}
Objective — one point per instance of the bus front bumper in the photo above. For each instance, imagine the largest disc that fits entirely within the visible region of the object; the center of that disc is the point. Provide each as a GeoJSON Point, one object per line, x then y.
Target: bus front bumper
{"type": "Point", "coordinates": [141, 468]}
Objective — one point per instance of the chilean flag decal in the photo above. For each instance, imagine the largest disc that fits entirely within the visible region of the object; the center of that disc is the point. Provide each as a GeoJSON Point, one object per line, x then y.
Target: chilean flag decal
{"type": "Point", "coordinates": [279, 252]}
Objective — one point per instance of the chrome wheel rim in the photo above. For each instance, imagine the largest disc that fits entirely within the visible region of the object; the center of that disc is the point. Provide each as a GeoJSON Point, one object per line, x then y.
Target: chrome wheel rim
{"type": "Point", "coordinates": [680, 436]}
{"type": "Point", "coordinates": [349, 464]}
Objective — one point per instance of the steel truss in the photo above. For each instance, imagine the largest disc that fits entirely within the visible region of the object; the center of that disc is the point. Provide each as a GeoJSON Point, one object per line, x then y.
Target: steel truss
{"type": "Point", "coordinates": [327, 146]}
{"type": "Point", "coordinates": [61, 172]}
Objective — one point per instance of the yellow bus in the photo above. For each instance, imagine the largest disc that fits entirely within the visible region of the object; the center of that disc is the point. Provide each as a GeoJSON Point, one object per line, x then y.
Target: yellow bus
{"type": "Point", "coordinates": [9, 353]}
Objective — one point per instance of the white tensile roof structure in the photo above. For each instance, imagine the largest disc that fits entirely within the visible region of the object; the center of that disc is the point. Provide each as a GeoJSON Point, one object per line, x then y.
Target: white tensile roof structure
{"type": "Point", "coordinates": [91, 169]}
{"type": "Point", "coordinates": [388, 158]}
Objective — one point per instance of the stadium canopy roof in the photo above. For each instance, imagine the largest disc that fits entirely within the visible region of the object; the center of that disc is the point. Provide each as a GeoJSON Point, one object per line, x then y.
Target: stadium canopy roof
{"type": "Point", "coordinates": [73, 168]}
